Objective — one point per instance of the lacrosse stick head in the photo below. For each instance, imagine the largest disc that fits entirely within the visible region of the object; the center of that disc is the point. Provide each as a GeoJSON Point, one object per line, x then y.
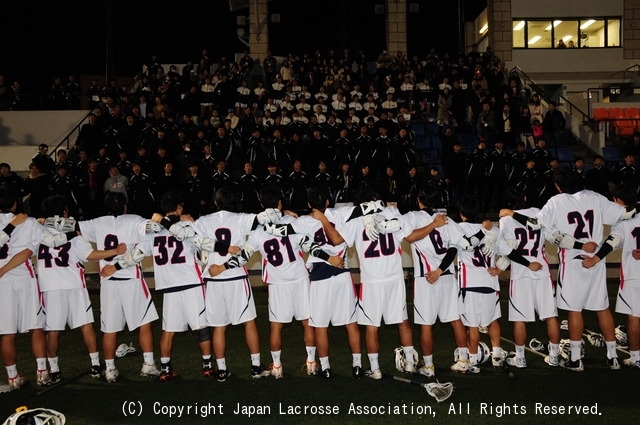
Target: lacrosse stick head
{"type": "Point", "coordinates": [124, 349]}
{"type": "Point", "coordinates": [621, 336]}
{"type": "Point", "coordinates": [439, 390]}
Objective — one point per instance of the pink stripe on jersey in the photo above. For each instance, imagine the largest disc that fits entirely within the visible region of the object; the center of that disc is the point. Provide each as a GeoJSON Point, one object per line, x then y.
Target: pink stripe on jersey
{"type": "Point", "coordinates": [198, 271]}
{"type": "Point", "coordinates": [81, 273]}
{"type": "Point", "coordinates": [145, 288]}
{"type": "Point", "coordinates": [562, 260]}
{"type": "Point", "coordinates": [510, 288]}
{"type": "Point", "coordinates": [621, 275]}
{"type": "Point", "coordinates": [265, 273]}
{"type": "Point", "coordinates": [425, 261]}
{"type": "Point", "coordinates": [29, 267]}
{"type": "Point", "coordinates": [463, 275]}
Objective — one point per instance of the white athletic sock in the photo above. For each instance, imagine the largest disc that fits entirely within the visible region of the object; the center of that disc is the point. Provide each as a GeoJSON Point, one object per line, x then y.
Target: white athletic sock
{"type": "Point", "coordinates": [428, 360]}
{"type": "Point", "coordinates": [311, 353]}
{"type": "Point", "coordinates": [408, 353]}
{"type": "Point", "coordinates": [324, 363]}
{"type": "Point", "coordinates": [95, 358]}
{"type": "Point", "coordinates": [222, 363]}
{"type": "Point", "coordinates": [520, 351]}
{"type": "Point", "coordinates": [373, 361]}
{"type": "Point", "coordinates": [42, 363]}
{"type": "Point", "coordinates": [12, 371]}
{"type": "Point", "coordinates": [463, 353]}
{"type": "Point", "coordinates": [473, 358]}
{"type": "Point", "coordinates": [496, 351]}
{"type": "Point", "coordinates": [275, 355]}
{"type": "Point", "coordinates": [576, 350]}
{"type": "Point", "coordinates": [255, 359]}
{"type": "Point", "coordinates": [611, 349]}
{"type": "Point", "coordinates": [53, 364]}
{"type": "Point", "coordinates": [148, 358]}
{"type": "Point", "coordinates": [110, 363]}
{"type": "Point", "coordinates": [553, 349]}
{"type": "Point", "coordinates": [207, 357]}
{"type": "Point", "coordinates": [356, 360]}
{"type": "Point", "coordinates": [165, 360]}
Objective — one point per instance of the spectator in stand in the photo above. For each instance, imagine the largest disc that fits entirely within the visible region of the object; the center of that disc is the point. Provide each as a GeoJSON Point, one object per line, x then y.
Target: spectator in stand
{"type": "Point", "coordinates": [536, 108]}
{"type": "Point", "coordinates": [554, 124]}
{"type": "Point", "coordinates": [599, 177]}
{"type": "Point", "coordinates": [524, 127]}
{"type": "Point", "coordinates": [38, 185]}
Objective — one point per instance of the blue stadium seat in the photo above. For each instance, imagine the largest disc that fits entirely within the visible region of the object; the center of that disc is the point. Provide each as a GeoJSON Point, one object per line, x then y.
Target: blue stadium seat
{"type": "Point", "coordinates": [611, 155]}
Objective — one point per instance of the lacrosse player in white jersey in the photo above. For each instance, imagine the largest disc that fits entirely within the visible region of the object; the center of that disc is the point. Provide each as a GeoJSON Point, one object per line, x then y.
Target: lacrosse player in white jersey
{"type": "Point", "coordinates": [178, 276]}
{"type": "Point", "coordinates": [625, 235]}
{"type": "Point", "coordinates": [284, 271]}
{"type": "Point", "coordinates": [64, 290]}
{"type": "Point", "coordinates": [479, 294]}
{"type": "Point", "coordinates": [21, 307]}
{"type": "Point", "coordinates": [230, 298]}
{"type": "Point", "coordinates": [433, 240]}
{"type": "Point", "coordinates": [332, 290]}
{"type": "Point", "coordinates": [580, 215]}
{"type": "Point", "coordinates": [125, 298]}
{"type": "Point", "coordinates": [382, 291]}
{"type": "Point", "coordinates": [531, 288]}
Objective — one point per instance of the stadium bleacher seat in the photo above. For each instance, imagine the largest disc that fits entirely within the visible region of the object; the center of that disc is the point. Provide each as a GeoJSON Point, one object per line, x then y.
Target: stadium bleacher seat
{"type": "Point", "coordinates": [611, 155]}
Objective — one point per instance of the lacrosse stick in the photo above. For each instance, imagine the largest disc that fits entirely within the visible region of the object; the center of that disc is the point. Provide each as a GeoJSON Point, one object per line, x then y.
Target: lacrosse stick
{"type": "Point", "coordinates": [594, 338]}
{"type": "Point", "coordinates": [63, 382]}
{"type": "Point", "coordinates": [437, 390]}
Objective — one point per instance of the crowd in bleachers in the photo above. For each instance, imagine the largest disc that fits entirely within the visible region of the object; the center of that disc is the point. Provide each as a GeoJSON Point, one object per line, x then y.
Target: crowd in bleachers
{"type": "Point", "coordinates": [462, 123]}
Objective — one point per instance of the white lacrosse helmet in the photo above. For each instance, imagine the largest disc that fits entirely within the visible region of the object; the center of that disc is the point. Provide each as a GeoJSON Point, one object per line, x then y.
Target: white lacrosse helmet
{"type": "Point", "coordinates": [484, 354]}
{"type": "Point", "coordinates": [39, 416]}
{"type": "Point", "coordinates": [564, 349]}
{"type": "Point", "coordinates": [400, 360]}
{"type": "Point", "coordinates": [621, 336]}
{"type": "Point", "coordinates": [124, 349]}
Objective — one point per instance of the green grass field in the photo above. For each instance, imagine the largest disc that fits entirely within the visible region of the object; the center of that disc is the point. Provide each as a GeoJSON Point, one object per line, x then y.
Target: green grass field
{"type": "Point", "coordinates": [486, 398]}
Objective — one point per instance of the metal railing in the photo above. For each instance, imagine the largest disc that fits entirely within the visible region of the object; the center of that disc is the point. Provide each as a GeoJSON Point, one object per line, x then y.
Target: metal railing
{"type": "Point", "coordinates": [69, 140]}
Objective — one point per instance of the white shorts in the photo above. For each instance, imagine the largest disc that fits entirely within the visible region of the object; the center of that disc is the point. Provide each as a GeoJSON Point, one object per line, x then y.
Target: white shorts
{"type": "Point", "coordinates": [582, 289]}
{"type": "Point", "coordinates": [184, 309]}
{"type": "Point", "coordinates": [437, 300]}
{"type": "Point", "coordinates": [67, 306]}
{"type": "Point", "coordinates": [21, 306]}
{"type": "Point", "coordinates": [229, 302]}
{"type": "Point", "coordinates": [382, 300]}
{"type": "Point", "coordinates": [125, 302]}
{"type": "Point", "coordinates": [332, 301]}
{"type": "Point", "coordinates": [478, 309]}
{"type": "Point", "coordinates": [289, 301]}
{"type": "Point", "coordinates": [628, 300]}
{"type": "Point", "coordinates": [528, 296]}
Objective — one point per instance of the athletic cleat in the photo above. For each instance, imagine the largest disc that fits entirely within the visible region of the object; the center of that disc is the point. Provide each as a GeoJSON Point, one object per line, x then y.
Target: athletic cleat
{"type": "Point", "coordinates": [630, 363]}
{"type": "Point", "coordinates": [149, 370]}
{"type": "Point", "coordinates": [111, 374]}
{"type": "Point", "coordinates": [258, 372]}
{"type": "Point", "coordinates": [519, 362]}
{"type": "Point", "coordinates": [326, 374]}
{"type": "Point", "coordinates": [17, 382]}
{"type": "Point", "coordinates": [551, 360]}
{"type": "Point", "coordinates": [613, 363]}
{"type": "Point", "coordinates": [207, 369]}
{"type": "Point", "coordinates": [42, 378]}
{"type": "Point", "coordinates": [222, 375]}
{"type": "Point", "coordinates": [575, 365]}
{"type": "Point", "coordinates": [276, 371]}
{"type": "Point", "coordinates": [374, 374]}
{"type": "Point", "coordinates": [97, 371]}
{"type": "Point", "coordinates": [312, 367]}
{"type": "Point", "coordinates": [461, 366]}
{"type": "Point", "coordinates": [357, 372]}
{"type": "Point", "coordinates": [55, 377]}
{"type": "Point", "coordinates": [474, 369]}
{"type": "Point", "coordinates": [410, 368]}
{"type": "Point", "coordinates": [428, 371]}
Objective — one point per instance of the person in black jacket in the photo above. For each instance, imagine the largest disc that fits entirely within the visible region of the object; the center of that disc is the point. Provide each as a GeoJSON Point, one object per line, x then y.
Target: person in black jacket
{"type": "Point", "coordinates": [553, 124]}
